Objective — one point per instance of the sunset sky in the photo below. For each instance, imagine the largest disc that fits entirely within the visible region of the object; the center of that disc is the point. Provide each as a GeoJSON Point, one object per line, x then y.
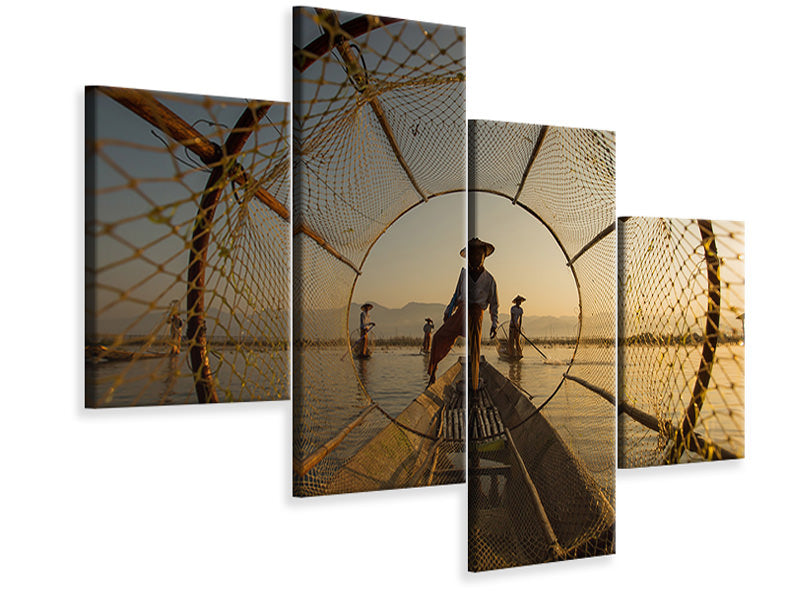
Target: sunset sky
{"type": "Point", "coordinates": [146, 200]}
{"type": "Point", "coordinates": [417, 259]}
{"type": "Point", "coordinates": [526, 260]}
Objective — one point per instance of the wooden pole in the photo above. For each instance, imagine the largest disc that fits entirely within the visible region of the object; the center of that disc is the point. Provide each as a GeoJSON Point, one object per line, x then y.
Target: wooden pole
{"type": "Point", "coordinates": [301, 467]}
{"type": "Point", "coordinates": [686, 428]}
{"type": "Point", "coordinates": [358, 77]}
{"type": "Point", "coordinates": [201, 236]}
{"type": "Point", "coordinates": [534, 153]}
{"type": "Point", "coordinates": [554, 546]}
{"type": "Point", "coordinates": [146, 106]}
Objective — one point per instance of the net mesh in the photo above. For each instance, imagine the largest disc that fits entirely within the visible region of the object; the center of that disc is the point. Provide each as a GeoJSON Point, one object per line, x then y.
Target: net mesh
{"type": "Point", "coordinates": [379, 128]}
{"type": "Point", "coordinates": [187, 248]}
{"type": "Point", "coordinates": [681, 340]}
{"type": "Point", "coordinates": [542, 460]}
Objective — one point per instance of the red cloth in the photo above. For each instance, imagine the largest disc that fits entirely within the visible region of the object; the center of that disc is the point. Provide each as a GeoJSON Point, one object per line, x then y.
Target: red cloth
{"type": "Point", "coordinates": [446, 335]}
{"type": "Point", "coordinates": [474, 343]}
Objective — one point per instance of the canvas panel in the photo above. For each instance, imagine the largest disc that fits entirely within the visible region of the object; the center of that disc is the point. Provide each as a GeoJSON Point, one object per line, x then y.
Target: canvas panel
{"type": "Point", "coordinates": [379, 134]}
{"type": "Point", "coordinates": [187, 248]}
{"type": "Point", "coordinates": [542, 418]}
{"type": "Point", "coordinates": [681, 340]}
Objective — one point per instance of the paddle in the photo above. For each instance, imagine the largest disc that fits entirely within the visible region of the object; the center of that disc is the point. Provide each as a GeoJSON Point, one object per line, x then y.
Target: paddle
{"type": "Point", "coordinates": [534, 345]}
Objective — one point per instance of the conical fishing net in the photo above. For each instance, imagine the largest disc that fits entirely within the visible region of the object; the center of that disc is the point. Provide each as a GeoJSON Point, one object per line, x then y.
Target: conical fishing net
{"type": "Point", "coordinates": [681, 340]}
{"type": "Point", "coordinates": [187, 248]}
{"type": "Point", "coordinates": [542, 459]}
{"type": "Point", "coordinates": [379, 129]}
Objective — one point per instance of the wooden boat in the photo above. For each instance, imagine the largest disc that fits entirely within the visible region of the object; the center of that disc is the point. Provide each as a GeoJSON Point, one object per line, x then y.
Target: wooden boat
{"type": "Point", "coordinates": [355, 348]}
{"type": "Point", "coordinates": [96, 353]}
{"type": "Point", "coordinates": [501, 343]}
{"type": "Point", "coordinates": [410, 451]}
{"type": "Point", "coordinates": [531, 499]}
{"type": "Point", "coordinates": [502, 350]}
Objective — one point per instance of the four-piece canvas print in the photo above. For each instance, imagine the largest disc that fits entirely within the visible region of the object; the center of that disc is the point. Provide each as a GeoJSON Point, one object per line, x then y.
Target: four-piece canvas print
{"type": "Point", "coordinates": [462, 305]}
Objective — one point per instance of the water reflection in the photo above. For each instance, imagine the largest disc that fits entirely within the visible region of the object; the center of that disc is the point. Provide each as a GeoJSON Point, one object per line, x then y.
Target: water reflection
{"type": "Point", "coordinates": [170, 378]}
{"type": "Point", "coordinates": [532, 373]}
{"type": "Point", "coordinates": [241, 376]}
{"type": "Point", "coordinates": [394, 376]}
{"type": "Point", "coordinates": [515, 371]}
{"type": "Point", "coordinates": [362, 369]}
{"type": "Point", "coordinates": [663, 388]}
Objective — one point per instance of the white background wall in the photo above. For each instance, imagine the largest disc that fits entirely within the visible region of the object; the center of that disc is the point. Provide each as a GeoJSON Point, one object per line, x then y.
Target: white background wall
{"type": "Point", "coordinates": [194, 502]}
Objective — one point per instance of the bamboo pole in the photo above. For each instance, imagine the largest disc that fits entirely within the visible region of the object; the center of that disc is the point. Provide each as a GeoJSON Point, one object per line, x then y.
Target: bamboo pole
{"type": "Point", "coordinates": [305, 57]}
{"type": "Point", "coordinates": [686, 428]}
{"type": "Point", "coordinates": [305, 229]}
{"type": "Point", "coordinates": [360, 81]}
{"type": "Point", "coordinates": [594, 241]}
{"type": "Point", "coordinates": [554, 546]}
{"type": "Point", "coordinates": [146, 106]}
{"type": "Point", "coordinates": [201, 237]}
{"type": "Point", "coordinates": [696, 443]}
{"type": "Point", "coordinates": [596, 389]}
{"type": "Point", "coordinates": [301, 467]}
{"type": "Point", "coordinates": [534, 153]}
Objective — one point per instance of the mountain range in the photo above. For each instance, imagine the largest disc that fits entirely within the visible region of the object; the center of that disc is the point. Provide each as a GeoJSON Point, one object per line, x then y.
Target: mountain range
{"type": "Point", "coordinates": [408, 321]}
{"type": "Point", "coordinates": [273, 325]}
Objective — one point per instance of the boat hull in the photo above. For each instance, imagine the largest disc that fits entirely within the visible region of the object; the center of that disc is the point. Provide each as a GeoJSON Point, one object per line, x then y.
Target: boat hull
{"type": "Point", "coordinates": [506, 524]}
{"type": "Point", "coordinates": [401, 454]}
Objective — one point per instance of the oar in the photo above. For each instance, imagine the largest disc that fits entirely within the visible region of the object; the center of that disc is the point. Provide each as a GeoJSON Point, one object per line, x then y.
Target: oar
{"type": "Point", "coordinates": [349, 348]}
{"type": "Point", "coordinates": [534, 345]}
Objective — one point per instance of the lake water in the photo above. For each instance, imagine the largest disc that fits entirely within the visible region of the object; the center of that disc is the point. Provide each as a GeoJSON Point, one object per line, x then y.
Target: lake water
{"type": "Point", "coordinates": [585, 420]}
{"type": "Point", "coordinates": [394, 376]}
{"type": "Point", "coordinates": [332, 389]}
{"type": "Point", "coordinates": [660, 381]}
{"type": "Point", "coordinates": [241, 375]}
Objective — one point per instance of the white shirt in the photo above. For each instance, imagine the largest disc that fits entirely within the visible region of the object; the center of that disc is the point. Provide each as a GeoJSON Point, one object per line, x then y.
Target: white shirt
{"type": "Point", "coordinates": [482, 291]}
{"type": "Point", "coordinates": [364, 321]}
{"type": "Point", "coordinates": [516, 315]}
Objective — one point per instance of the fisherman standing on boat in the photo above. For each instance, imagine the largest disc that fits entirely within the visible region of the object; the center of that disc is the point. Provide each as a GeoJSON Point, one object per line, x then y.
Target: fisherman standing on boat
{"type": "Point", "coordinates": [427, 330]}
{"type": "Point", "coordinates": [365, 327]}
{"type": "Point", "coordinates": [175, 329]}
{"type": "Point", "coordinates": [515, 328]}
{"type": "Point", "coordinates": [482, 292]}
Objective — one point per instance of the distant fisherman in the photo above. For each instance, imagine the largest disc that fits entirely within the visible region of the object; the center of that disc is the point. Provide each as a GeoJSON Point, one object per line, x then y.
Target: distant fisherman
{"type": "Point", "coordinates": [515, 327]}
{"type": "Point", "coordinates": [365, 327]}
{"type": "Point", "coordinates": [175, 328]}
{"type": "Point", "coordinates": [482, 292]}
{"type": "Point", "coordinates": [427, 330]}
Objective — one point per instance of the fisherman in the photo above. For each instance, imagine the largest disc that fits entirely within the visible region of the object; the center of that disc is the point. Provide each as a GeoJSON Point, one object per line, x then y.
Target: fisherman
{"type": "Point", "coordinates": [175, 328]}
{"type": "Point", "coordinates": [482, 292]}
{"type": "Point", "coordinates": [427, 330]}
{"type": "Point", "coordinates": [515, 328]}
{"type": "Point", "coordinates": [365, 327]}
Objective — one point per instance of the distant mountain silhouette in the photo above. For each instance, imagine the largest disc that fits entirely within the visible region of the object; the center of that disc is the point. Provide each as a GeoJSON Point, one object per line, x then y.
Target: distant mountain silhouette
{"type": "Point", "coordinates": [393, 322]}
{"type": "Point", "coordinates": [272, 325]}
{"type": "Point", "coordinates": [408, 321]}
